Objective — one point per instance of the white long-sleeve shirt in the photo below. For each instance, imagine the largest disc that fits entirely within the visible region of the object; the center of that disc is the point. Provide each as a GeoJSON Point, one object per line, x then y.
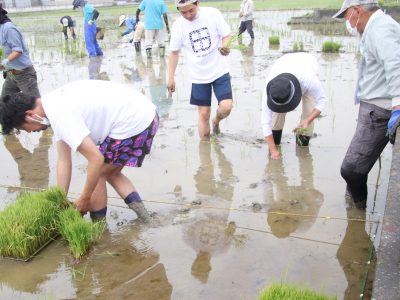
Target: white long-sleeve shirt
{"type": "Point", "coordinates": [247, 9]}
{"type": "Point", "coordinates": [379, 69]}
{"type": "Point", "coordinates": [305, 67]}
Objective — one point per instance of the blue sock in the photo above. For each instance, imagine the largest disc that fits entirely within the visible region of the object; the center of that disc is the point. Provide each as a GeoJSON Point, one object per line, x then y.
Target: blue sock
{"type": "Point", "coordinates": [99, 213]}
{"type": "Point", "coordinates": [132, 197]}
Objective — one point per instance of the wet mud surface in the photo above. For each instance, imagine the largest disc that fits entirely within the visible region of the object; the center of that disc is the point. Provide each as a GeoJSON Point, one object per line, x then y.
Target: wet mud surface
{"type": "Point", "coordinates": [229, 220]}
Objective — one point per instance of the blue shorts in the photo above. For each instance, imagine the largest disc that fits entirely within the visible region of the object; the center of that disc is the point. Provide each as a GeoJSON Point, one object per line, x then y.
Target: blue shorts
{"type": "Point", "coordinates": [201, 92]}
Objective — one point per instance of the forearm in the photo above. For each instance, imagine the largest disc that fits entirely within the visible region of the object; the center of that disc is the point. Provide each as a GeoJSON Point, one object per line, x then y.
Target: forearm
{"type": "Point", "coordinates": [172, 62]}
{"type": "Point", "coordinates": [314, 114]}
{"type": "Point", "coordinates": [269, 140]}
{"type": "Point", "coordinates": [166, 21]}
{"type": "Point", "coordinates": [93, 174]}
{"type": "Point", "coordinates": [64, 172]}
{"type": "Point", "coordinates": [226, 40]}
{"type": "Point", "coordinates": [13, 55]}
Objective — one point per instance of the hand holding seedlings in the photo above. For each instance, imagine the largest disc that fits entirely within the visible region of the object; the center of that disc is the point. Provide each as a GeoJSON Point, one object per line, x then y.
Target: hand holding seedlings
{"type": "Point", "coordinates": [302, 127]}
{"type": "Point", "coordinates": [82, 204]}
{"type": "Point", "coordinates": [224, 50]}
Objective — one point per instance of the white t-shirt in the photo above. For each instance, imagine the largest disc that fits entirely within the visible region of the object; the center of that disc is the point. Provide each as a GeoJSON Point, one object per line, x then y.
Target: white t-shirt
{"type": "Point", "coordinates": [96, 108]}
{"type": "Point", "coordinates": [305, 67]}
{"type": "Point", "coordinates": [200, 40]}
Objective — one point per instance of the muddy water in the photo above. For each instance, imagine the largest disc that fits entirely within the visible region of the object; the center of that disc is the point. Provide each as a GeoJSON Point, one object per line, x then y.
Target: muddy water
{"type": "Point", "coordinates": [229, 220]}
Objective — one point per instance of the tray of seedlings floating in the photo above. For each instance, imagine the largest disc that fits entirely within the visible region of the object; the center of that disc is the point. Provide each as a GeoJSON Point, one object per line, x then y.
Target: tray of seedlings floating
{"type": "Point", "coordinates": [29, 224]}
{"type": "Point", "coordinates": [78, 232]}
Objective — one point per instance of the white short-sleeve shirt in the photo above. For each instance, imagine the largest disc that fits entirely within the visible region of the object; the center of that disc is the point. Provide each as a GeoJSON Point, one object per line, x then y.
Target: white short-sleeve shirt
{"type": "Point", "coordinates": [97, 109]}
{"type": "Point", "coordinates": [200, 40]}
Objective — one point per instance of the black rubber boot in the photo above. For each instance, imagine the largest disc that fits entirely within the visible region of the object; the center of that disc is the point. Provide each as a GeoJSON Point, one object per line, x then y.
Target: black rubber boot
{"type": "Point", "coordinates": [148, 53]}
{"type": "Point", "coordinates": [302, 140]}
{"type": "Point", "coordinates": [277, 135]}
{"type": "Point", "coordinates": [162, 51]}
{"type": "Point", "coordinates": [137, 46]}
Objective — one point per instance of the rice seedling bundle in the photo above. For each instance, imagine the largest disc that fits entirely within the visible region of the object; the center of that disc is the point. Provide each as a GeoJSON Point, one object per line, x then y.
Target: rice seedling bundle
{"type": "Point", "coordinates": [30, 222]}
{"type": "Point", "coordinates": [79, 233]}
{"type": "Point", "coordinates": [274, 40]}
{"type": "Point", "coordinates": [330, 46]}
{"type": "Point", "coordinates": [285, 291]}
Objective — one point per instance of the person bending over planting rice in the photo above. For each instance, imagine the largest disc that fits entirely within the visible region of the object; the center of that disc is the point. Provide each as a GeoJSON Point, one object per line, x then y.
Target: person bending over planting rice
{"type": "Point", "coordinates": [293, 78]}
{"type": "Point", "coordinates": [109, 134]}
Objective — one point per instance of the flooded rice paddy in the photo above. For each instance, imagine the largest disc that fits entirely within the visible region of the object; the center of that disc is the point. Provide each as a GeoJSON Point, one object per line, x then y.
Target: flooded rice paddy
{"type": "Point", "coordinates": [229, 220]}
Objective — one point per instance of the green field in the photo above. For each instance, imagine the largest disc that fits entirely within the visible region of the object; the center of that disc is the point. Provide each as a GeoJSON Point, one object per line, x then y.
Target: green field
{"type": "Point", "coordinates": [222, 5]}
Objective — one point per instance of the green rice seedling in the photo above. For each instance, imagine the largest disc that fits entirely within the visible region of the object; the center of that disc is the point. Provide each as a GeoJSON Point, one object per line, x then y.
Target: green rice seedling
{"type": "Point", "coordinates": [330, 46]}
{"type": "Point", "coordinates": [29, 223]}
{"type": "Point", "coordinates": [285, 291]}
{"type": "Point", "coordinates": [1, 52]}
{"type": "Point", "coordinates": [302, 131]}
{"type": "Point", "coordinates": [79, 233]}
{"type": "Point", "coordinates": [301, 46]}
{"type": "Point", "coordinates": [295, 47]}
{"type": "Point", "coordinates": [274, 40]}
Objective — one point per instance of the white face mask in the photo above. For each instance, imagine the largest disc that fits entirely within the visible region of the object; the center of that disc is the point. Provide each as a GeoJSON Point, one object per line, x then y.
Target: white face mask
{"type": "Point", "coordinates": [40, 120]}
{"type": "Point", "coordinates": [352, 30]}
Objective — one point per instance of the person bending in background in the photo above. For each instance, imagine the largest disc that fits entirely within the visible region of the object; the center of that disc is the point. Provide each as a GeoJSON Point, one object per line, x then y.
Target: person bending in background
{"type": "Point", "coordinates": [68, 23]}
{"type": "Point", "coordinates": [137, 28]}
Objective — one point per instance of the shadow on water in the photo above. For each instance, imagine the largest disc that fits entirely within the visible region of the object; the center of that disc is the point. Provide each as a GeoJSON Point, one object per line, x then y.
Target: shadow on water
{"type": "Point", "coordinates": [292, 208]}
{"type": "Point", "coordinates": [353, 253]}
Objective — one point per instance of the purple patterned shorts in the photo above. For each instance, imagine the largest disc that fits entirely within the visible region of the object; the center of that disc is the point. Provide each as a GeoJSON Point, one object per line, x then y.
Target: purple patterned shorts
{"type": "Point", "coordinates": [131, 151]}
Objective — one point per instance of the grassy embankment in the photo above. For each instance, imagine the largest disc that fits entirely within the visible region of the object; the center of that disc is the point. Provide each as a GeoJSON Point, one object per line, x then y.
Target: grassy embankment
{"type": "Point", "coordinates": [222, 5]}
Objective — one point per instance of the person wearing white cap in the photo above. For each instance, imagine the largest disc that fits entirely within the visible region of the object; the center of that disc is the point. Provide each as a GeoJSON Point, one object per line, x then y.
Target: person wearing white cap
{"type": "Point", "coordinates": [291, 80]}
{"type": "Point", "coordinates": [377, 92]}
{"type": "Point", "coordinates": [204, 36]}
{"type": "Point", "coordinates": [68, 23]}
{"type": "Point", "coordinates": [137, 28]}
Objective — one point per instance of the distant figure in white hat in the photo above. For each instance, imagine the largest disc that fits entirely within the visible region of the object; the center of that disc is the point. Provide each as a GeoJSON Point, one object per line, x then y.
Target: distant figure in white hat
{"type": "Point", "coordinates": [137, 28]}
{"type": "Point", "coordinates": [68, 23]}
{"type": "Point", "coordinates": [377, 91]}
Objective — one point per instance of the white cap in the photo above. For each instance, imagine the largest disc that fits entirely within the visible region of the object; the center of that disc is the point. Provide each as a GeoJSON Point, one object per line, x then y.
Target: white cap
{"type": "Point", "coordinates": [350, 3]}
{"type": "Point", "coordinates": [65, 22]}
{"type": "Point", "coordinates": [122, 19]}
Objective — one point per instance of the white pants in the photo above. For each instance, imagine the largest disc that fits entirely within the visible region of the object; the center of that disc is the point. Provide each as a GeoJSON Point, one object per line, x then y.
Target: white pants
{"type": "Point", "coordinates": [308, 102]}
{"type": "Point", "coordinates": [154, 35]}
{"type": "Point", "coordinates": [139, 32]}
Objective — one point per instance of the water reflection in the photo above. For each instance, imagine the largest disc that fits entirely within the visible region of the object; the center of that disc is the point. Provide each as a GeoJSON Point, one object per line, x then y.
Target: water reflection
{"type": "Point", "coordinates": [158, 87]}
{"type": "Point", "coordinates": [209, 232]}
{"type": "Point", "coordinates": [247, 62]}
{"type": "Point", "coordinates": [94, 69]}
{"type": "Point", "coordinates": [289, 205]}
{"type": "Point", "coordinates": [122, 267]}
{"type": "Point", "coordinates": [33, 167]}
{"type": "Point", "coordinates": [353, 255]}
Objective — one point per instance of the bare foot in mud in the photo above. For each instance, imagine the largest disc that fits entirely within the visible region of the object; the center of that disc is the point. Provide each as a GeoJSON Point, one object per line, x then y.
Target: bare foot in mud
{"type": "Point", "coordinates": [216, 129]}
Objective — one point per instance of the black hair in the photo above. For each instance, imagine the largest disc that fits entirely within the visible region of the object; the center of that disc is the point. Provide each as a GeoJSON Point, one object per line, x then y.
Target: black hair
{"type": "Point", "coordinates": [12, 110]}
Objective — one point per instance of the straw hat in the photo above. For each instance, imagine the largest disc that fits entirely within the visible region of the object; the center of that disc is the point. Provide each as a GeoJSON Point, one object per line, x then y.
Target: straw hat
{"type": "Point", "coordinates": [122, 19]}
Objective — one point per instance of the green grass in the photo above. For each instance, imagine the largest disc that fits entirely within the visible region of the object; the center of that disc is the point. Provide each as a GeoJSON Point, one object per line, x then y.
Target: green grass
{"type": "Point", "coordinates": [30, 222]}
{"type": "Point", "coordinates": [284, 291]}
{"type": "Point", "coordinates": [330, 46]}
{"type": "Point", "coordinates": [274, 40]}
{"type": "Point", "coordinates": [79, 233]}
{"type": "Point", "coordinates": [222, 5]}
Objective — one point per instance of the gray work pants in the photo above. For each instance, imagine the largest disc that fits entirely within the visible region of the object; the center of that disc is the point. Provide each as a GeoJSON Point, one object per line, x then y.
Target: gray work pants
{"type": "Point", "coordinates": [365, 148]}
{"type": "Point", "coordinates": [25, 82]}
